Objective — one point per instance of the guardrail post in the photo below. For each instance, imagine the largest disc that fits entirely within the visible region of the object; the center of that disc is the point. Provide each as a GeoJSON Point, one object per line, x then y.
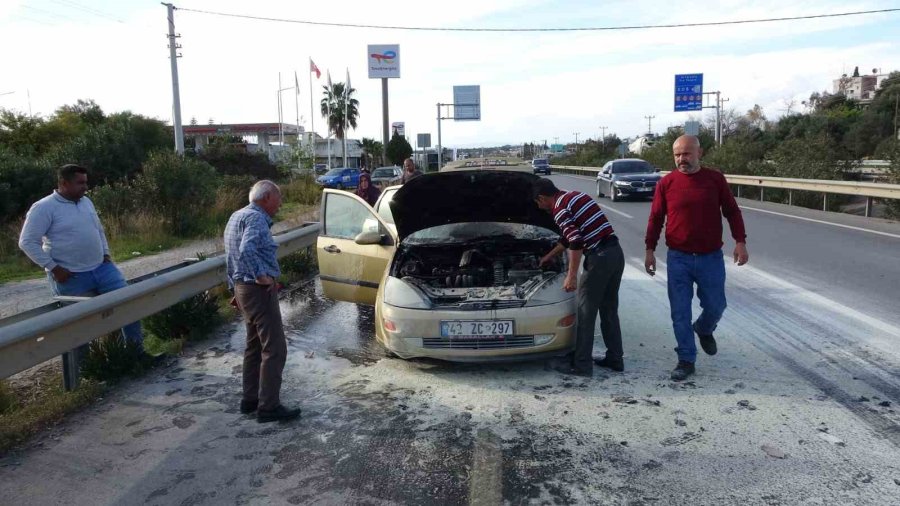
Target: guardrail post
{"type": "Point", "coordinates": [790, 197]}
{"type": "Point", "coordinates": [868, 207]}
{"type": "Point", "coordinates": [824, 201]}
{"type": "Point", "coordinates": [71, 362]}
{"type": "Point", "coordinates": [762, 193]}
{"type": "Point", "coordinates": [739, 190]}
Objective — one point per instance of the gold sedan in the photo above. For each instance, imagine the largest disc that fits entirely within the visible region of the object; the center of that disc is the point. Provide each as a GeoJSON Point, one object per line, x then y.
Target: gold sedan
{"type": "Point", "coordinates": [451, 263]}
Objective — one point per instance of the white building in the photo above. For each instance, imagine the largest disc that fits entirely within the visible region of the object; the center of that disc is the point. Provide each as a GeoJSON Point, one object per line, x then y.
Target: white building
{"type": "Point", "coordinates": [860, 88]}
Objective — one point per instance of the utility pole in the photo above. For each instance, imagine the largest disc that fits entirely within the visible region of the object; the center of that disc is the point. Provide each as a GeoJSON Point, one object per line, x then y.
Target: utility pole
{"type": "Point", "coordinates": [896, 110]}
{"type": "Point", "coordinates": [576, 141]}
{"type": "Point", "coordinates": [719, 104]}
{"type": "Point", "coordinates": [649, 119]}
{"type": "Point", "coordinates": [176, 96]}
{"type": "Point", "coordinates": [603, 135]}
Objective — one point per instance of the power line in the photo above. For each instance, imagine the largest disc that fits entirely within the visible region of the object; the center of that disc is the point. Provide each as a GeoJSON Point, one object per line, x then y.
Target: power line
{"type": "Point", "coordinates": [75, 5]}
{"type": "Point", "coordinates": [584, 29]}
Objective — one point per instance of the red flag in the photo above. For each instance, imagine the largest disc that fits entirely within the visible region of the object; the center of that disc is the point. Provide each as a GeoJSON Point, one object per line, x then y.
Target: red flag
{"type": "Point", "coordinates": [313, 68]}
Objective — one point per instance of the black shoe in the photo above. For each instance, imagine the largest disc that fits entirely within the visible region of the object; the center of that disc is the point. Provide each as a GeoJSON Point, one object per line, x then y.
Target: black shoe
{"type": "Point", "coordinates": [248, 407]}
{"type": "Point", "coordinates": [609, 363]}
{"type": "Point", "coordinates": [280, 413]}
{"type": "Point", "coordinates": [682, 370]}
{"type": "Point", "coordinates": [707, 342]}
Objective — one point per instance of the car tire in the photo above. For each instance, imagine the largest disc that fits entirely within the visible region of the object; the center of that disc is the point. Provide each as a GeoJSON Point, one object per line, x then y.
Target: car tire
{"type": "Point", "coordinates": [599, 193]}
{"type": "Point", "coordinates": [340, 186]}
{"type": "Point", "coordinates": [612, 193]}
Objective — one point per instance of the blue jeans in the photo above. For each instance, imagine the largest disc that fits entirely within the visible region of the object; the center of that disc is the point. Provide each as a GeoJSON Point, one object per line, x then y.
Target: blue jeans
{"type": "Point", "coordinates": [708, 273]}
{"type": "Point", "coordinates": [104, 278]}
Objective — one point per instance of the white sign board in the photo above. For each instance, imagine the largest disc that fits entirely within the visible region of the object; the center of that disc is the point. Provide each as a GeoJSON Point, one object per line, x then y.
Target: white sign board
{"type": "Point", "coordinates": [383, 60]}
{"type": "Point", "coordinates": [692, 128]}
{"type": "Point", "coordinates": [467, 103]}
{"type": "Point", "coordinates": [423, 140]}
{"type": "Point", "coordinates": [399, 128]}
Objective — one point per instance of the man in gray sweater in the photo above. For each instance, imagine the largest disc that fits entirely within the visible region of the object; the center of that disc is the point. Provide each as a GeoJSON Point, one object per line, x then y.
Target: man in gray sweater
{"type": "Point", "coordinates": [63, 234]}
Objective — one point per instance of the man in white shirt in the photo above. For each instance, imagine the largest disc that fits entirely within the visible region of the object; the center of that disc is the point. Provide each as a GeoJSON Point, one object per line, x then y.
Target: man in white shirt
{"type": "Point", "coordinates": [63, 234]}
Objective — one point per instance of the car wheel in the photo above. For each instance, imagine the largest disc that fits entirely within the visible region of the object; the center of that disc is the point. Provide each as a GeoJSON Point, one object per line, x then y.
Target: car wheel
{"type": "Point", "coordinates": [599, 193]}
{"type": "Point", "coordinates": [612, 193]}
{"type": "Point", "coordinates": [340, 186]}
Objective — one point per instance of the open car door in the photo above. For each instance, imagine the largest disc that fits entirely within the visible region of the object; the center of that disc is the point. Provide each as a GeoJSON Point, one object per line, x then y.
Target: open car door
{"type": "Point", "coordinates": [353, 248]}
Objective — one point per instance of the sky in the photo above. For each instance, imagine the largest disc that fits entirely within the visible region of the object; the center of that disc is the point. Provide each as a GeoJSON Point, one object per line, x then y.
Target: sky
{"type": "Point", "coordinates": [535, 87]}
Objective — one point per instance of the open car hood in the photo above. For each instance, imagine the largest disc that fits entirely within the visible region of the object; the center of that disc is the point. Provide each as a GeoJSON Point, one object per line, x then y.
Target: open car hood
{"type": "Point", "coordinates": [467, 196]}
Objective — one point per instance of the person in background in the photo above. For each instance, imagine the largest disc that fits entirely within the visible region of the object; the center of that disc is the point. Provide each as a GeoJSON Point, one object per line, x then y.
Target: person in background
{"type": "Point", "coordinates": [410, 171]}
{"type": "Point", "coordinates": [366, 190]}
{"type": "Point", "coordinates": [253, 270]}
{"type": "Point", "coordinates": [63, 234]}
{"type": "Point", "coordinates": [691, 202]}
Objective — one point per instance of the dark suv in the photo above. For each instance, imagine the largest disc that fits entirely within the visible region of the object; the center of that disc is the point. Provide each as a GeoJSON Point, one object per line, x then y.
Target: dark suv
{"type": "Point", "coordinates": [628, 177]}
{"type": "Point", "coordinates": [540, 166]}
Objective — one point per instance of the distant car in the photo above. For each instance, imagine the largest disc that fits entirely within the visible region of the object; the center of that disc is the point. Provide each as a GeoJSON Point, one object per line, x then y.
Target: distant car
{"type": "Point", "coordinates": [387, 176]}
{"type": "Point", "coordinates": [540, 166]}
{"type": "Point", "coordinates": [320, 168]}
{"type": "Point", "coordinates": [340, 178]}
{"type": "Point", "coordinates": [628, 177]}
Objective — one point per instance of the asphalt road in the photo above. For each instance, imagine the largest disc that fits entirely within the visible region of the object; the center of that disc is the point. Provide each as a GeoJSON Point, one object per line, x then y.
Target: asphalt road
{"type": "Point", "coordinates": [798, 407]}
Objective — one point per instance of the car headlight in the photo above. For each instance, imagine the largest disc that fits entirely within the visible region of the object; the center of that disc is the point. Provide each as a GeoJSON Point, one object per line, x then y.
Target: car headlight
{"type": "Point", "coordinates": [399, 293]}
{"type": "Point", "coordinates": [550, 292]}
{"type": "Point", "coordinates": [623, 183]}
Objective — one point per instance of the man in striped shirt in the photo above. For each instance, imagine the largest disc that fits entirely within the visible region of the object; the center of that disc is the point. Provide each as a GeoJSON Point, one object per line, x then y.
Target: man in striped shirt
{"type": "Point", "coordinates": [587, 233]}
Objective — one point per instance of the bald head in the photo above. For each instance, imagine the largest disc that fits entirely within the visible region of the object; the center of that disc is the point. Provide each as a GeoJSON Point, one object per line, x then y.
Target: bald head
{"type": "Point", "coordinates": [687, 154]}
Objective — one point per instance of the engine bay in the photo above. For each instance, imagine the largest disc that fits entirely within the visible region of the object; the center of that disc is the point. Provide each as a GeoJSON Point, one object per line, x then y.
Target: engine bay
{"type": "Point", "coordinates": [476, 273]}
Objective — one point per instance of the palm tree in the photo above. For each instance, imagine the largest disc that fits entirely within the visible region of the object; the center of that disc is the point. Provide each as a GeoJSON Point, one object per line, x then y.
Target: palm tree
{"type": "Point", "coordinates": [333, 102]}
{"type": "Point", "coordinates": [372, 149]}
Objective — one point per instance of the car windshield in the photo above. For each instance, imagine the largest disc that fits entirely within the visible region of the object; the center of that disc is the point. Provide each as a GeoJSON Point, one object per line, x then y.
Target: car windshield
{"type": "Point", "coordinates": [636, 167]}
{"type": "Point", "coordinates": [464, 232]}
{"type": "Point", "coordinates": [383, 173]}
{"type": "Point", "coordinates": [540, 162]}
{"type": "Point", "coordinates": [334, 172]}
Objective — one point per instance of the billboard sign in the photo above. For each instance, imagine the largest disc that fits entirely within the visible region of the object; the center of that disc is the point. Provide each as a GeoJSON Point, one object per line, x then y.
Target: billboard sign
{"type": "Point", "coordinates": [398, 128]}
{"type": "Point", "coordinates": [467, 103]}
{"type": "Point", "coordinates": [423, 140]}
{"type": "Point", "coordinates": [688, 92]}
{"type": "Point", "coordinates": [383, 60]}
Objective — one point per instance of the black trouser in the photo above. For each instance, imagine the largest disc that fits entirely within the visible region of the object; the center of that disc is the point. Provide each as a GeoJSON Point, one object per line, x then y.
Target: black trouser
{"type": "Point", "coordinates": [598, 292]}
{"type": "Point", "coordinates": [266, 350]}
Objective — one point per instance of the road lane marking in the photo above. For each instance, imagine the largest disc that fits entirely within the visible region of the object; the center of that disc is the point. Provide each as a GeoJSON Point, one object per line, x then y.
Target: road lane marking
{"type": "Point", "coordinates": [895, 236]}
{"type": "Point", "coordinates": [607, 208]}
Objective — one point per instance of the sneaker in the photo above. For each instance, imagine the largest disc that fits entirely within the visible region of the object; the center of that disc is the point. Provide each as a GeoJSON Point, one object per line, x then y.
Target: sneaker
{"type": "Point", "coordinates": [248, 407]}
{"type": "Point", "coordinates": [609, 363]}
{"type": "Point", "coordinates": [280, 413]}
{"type": "Point", "coordinates": [707, 342]}
{"type": "Point", "coordinates": [682, 370]}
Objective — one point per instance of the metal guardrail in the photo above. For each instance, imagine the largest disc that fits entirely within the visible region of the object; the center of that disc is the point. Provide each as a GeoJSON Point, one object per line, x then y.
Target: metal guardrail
{"type": "Point", "coordinates": [863, 189]}
{"type": "Point", "coordinates": [26, 342]}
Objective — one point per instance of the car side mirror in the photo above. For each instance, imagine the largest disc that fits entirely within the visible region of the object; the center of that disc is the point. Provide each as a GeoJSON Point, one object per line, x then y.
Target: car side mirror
{"type": "Point", "coordinates": [368, 237]}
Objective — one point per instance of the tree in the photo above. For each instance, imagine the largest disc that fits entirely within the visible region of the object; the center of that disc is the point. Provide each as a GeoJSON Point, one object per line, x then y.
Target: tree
{"type": "Point", "coordinates": [757, 117]}
{"type": "Point", "coordinates": [398, 149]}
{"type": "Point", "coordinates": [372, 150]}
{"type": "Point", "coordinates": [332, 106]}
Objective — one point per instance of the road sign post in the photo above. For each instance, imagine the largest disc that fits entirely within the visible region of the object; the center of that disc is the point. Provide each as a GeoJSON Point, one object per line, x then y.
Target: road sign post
{"type": "Point", "coordinates": [688, 92]}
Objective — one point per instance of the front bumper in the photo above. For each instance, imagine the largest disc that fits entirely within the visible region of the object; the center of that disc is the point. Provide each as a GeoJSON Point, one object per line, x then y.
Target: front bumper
{"type": "Point", "coordinates": [644, 191]}
{"type": "Point", "coordinates": [417, 333]}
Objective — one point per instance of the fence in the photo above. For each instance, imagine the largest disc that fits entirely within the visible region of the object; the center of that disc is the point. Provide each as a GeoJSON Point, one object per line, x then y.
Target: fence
{"type": "Point", "coordinates": [30, 339]}
{"type": "Point", "coordinates": [864, 189]}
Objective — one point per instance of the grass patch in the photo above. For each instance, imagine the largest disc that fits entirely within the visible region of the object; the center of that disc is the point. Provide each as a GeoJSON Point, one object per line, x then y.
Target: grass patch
{"type": "Point", "coordinates": [298, 266]}
{"type": "Point", "coordinates": [40, 407]}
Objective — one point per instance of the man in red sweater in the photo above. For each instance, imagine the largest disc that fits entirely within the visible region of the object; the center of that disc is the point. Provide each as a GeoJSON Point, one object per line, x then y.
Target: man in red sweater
{"type": "Point", "coordinates": [691, 202]}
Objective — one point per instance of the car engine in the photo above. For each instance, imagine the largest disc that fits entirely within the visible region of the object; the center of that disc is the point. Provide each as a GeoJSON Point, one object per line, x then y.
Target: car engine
{"type": "Point", "coordinates": [455, 274]}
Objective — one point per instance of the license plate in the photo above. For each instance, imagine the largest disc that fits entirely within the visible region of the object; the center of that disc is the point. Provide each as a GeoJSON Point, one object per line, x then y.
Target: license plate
{"type": "Point", "coordinates": [477, 328]}
{"type": "Point", "coordinates": [645, 189]}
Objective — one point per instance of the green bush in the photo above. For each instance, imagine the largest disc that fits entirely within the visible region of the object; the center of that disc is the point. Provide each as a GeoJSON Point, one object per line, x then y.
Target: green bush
{"type": "Point", "coordinates": [7, 399]}
{"type": "Point", "coordinates": [179, 189]}
{"type": "Point", "coordinates": [298, 266]}
{"type": "Point", "coordinates": [23, 181]}
{"type": "Point", "coordinates": [190, 319]}
{"type": "Point", "coordinates": [229, 160]}
{"type": "Point", "coordinates": [302, 190]}
{"type": "Point", "coordinates": [111, 357]}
